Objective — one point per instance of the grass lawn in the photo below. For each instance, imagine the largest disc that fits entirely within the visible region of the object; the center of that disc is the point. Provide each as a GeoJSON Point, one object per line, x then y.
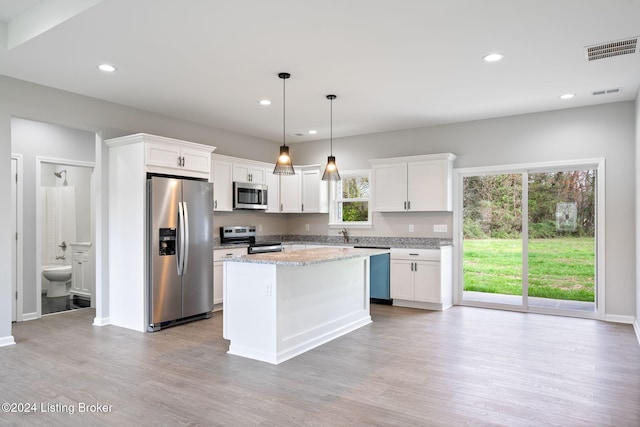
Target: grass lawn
{"type": "Point", "coordinates": [562, 268]}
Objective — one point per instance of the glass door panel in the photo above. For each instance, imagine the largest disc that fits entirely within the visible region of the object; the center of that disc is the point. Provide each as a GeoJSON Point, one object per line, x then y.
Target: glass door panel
{"type": "Point", "coordinates": [492, 239]}
{"type": "Point", "coordinates": [561, 245]}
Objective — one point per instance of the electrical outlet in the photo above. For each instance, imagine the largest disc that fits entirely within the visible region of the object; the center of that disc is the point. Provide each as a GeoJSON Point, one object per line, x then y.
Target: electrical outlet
{"type": "Point", "coordinates": [306, 227]}
{"type": "Point", "coordinates": [267, 290]}
{"type": "Point", "coordinates": [259, 227]}
{"type": "Point", "coordinates": [440, 228]}
{"type": "Point", "coordinates": [410, 228]}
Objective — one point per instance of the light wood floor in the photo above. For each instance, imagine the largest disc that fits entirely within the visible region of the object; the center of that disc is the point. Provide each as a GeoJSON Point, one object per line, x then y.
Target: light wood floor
{"type": "Point", "coordinates": [464, 366]}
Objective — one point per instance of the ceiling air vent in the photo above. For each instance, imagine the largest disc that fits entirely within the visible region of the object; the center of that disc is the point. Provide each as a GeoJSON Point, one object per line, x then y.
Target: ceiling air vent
{"type": "Point", "coordinates": [611, 49]}
{"type": "Point", "coordinates": [607, 91]}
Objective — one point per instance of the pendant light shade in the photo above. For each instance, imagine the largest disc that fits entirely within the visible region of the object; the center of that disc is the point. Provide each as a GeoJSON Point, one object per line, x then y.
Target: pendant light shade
{"type": "Point", "coordinates": [284, 165]}
{"type": "Point", "coordinates": [331, 170]}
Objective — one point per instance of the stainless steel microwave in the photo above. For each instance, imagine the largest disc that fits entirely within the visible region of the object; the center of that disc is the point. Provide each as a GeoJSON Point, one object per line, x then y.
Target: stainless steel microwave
{"type": "Point", "coordinates": [249, 196]}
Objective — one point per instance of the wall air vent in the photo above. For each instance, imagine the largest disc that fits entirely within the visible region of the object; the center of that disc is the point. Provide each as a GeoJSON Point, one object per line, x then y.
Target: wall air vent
{"type": "Point", "coordinates": [607, 91]}
{"type": "Point", "coordinates": [611, 49]}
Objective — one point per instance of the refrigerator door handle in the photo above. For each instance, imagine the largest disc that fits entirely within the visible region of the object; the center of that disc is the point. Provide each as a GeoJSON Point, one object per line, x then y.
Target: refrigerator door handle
{"type": "Point", "coordinates": [180, 251]}
{"type": "Point", "coordinates": [185, 254]}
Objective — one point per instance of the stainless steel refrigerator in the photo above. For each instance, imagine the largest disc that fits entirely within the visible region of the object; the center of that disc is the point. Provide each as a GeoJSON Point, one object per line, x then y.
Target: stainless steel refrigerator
{"type": "Point", "coordinates": [180, 238]}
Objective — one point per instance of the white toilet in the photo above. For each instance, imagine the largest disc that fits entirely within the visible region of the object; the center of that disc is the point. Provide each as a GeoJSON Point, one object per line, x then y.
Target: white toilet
{"type": "Point", "coordinates": [59, 278]}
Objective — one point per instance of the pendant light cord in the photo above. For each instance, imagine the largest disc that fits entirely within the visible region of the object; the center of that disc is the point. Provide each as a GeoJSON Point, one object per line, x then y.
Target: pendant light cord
{"type": "Point", "coordinates": [284, 103]}
{"type": "Point", "coordinates": [331, 98]}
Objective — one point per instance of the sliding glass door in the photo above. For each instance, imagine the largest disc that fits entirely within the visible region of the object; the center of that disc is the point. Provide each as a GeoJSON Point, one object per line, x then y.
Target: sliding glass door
{"type": "Point", "coordinates": [492, 229]}
{"type": "Point", "coordinates": [528, 239]}
{"type": "Point", "coordinates": [562, 245]}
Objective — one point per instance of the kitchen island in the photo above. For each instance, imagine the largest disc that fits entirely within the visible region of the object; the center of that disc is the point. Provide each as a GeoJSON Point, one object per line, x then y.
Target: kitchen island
{"type": "Point", "coordinates": [278, 305]}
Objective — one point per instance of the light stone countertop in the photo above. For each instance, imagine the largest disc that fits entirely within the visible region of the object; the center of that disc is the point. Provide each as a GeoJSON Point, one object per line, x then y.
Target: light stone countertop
{"type": "Point", "coordinates": [306, 256]}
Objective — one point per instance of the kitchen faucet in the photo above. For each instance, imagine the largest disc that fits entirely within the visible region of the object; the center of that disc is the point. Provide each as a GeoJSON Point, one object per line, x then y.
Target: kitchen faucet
{"type": "Point", "coordinates": [345, 235]}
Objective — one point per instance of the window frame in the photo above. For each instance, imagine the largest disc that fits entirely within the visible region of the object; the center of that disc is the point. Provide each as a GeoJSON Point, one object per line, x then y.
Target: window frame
{"type": "Point", "coordinates": [334, 221]}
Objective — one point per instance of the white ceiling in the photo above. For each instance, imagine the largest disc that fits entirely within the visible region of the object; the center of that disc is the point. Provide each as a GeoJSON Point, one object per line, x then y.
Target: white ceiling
{"type": "Point", "coordinates": [393, 64]}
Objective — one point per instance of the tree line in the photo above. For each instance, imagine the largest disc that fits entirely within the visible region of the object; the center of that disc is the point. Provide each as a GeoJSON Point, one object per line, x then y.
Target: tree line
{"type": "Point", "coordinates": [559, 204]}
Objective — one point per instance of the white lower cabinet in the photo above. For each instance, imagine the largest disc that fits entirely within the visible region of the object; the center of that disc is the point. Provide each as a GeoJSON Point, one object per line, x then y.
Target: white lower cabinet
{"type": "Point", "coordinates": [81, 273]}
{"type": "Point", "coordinates": [422, 278]}
{"type": "Point", "coordinates": [218, 273]}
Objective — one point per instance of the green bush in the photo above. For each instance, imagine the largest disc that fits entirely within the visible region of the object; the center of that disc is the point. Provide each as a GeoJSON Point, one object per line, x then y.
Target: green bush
{"type": "Point", "coordinates": [472, 230]}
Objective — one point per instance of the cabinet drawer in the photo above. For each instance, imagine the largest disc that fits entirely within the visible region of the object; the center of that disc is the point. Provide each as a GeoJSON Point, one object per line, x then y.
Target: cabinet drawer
{"type": "Point", "coordinates": [416, 254]}
{"type": "Point", "coordinates": [218, 254]}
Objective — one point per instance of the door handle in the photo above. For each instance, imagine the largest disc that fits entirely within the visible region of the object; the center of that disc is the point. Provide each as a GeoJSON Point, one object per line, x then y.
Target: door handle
{"type": "Point", "coordinates": [215, 204]}
{"type": "Point", "coordinates": [405, 205]}
{"type": "Point", "coordinates": [409, 205]}
{"type": "Point", "coordinates": [180, 251]}
{"type": "Point", "coordinates": [185, 262]}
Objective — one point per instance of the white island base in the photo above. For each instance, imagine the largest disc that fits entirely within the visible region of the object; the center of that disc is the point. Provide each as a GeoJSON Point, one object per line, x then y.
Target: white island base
{"type": "Point", "coordinates": [276, 308]}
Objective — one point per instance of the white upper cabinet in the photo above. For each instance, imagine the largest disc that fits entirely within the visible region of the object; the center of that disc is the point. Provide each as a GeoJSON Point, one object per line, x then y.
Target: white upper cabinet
{"type": "Point", "coordinates": [273, 191]}
{"type": "Point", "coordinates": [222, 184]}
{"type": "Point", "coordinates": [315, 191]}
{"type": "Point", "coordinates": [247, 172]}
{"type": "Point", "coordinates": [291, 192]}
{"type": "Point", "coordinates": [417, 183]}
{"type": "Point", "coordinates": [304, 192]}
{"type": "Point", "coordinates": [170, 156]}
{"type": "Point", "coordinates": [177, 155]}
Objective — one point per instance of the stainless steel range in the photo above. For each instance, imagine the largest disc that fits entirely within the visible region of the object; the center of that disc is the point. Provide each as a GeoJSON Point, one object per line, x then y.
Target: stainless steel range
{"type": "Point", "coordinates": [246, 235]}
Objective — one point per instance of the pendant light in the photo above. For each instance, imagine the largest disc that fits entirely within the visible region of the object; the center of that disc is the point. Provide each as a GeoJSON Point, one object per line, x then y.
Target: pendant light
{"type": "Point", "coordinates": [284, 166]}
{"type": "Point", "coordinates": [331, 170]}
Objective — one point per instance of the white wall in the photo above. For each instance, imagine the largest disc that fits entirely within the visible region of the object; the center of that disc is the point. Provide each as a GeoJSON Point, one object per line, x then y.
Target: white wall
{"type": "Point", "coordinates": [5, 231]}
{"type": "Point", "coordinates": [604, 131]}
{"type": "Point", "coordinates": [637, 200]}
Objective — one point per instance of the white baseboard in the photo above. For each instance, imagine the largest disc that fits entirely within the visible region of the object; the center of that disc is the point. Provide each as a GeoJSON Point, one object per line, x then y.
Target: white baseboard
{"type": "Point", "coordinates": [619, 319]}
{"type": "Point", "coordinates": [101, 321]}
{"type": "Point", "coordinates": [29, 316]}
{"type": "Point", "coordinates": [5, 341]}
{"type": "Point", "coordinates": [636, 326]}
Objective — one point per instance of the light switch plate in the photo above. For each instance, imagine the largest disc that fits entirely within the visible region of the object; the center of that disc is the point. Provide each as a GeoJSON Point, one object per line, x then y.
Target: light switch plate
{"type": "Point", "coordinates": [440, 228]}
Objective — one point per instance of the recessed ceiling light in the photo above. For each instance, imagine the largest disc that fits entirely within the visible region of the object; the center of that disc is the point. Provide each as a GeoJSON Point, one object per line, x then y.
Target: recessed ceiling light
{"type": "Point", "coordinates": [108, 68]}
{"type": "Point", "coordinates": [313, 132]}
{"type": "Point", "coordinates": [493, 57]}
{"type": "Point", "coordinates": [567, 96]}
{"type": "Point", "coordinates": [265, 102]}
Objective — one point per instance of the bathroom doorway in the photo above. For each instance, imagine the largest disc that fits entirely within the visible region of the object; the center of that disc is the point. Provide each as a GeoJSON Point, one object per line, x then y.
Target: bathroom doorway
{"type": "Point", "coordinates": [64, 211]}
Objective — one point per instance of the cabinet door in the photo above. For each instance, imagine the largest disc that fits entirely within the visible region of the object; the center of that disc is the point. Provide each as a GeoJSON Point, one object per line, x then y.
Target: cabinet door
{"type": "Point", "coordinates": [389, 187]}
{"type": "Point", "coordinates": [427, 281]}
{"type": "Point", "coordinates": [76, 275]}
{"type": "Point", "coordinates": [164, 155]}
{"type": "Point", "coordinates": [273, 192]}
{"type": "Point", "coordinates": [249, 173]}
{"type": "Point", "coordinates": [290, 193]}
{"type": "Point", "coordinates": [402, 279]}
{"type": "Point", "coordinates": [222, 186]}
{"type": "Point", "coordinates": [240, 172]}
{"type": "Point", "coordinates": [258, 175]}
{"type": "Point", "coordinates": [427, 186]}
{"type": "Point", "coordinates": [85, 287]}
{"type": "Point", "coordinates": [218, 269]}
{"type": "Point", "coordinates": [314, 192]}
{"type": "Point", "coordinates": [196, 160]}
